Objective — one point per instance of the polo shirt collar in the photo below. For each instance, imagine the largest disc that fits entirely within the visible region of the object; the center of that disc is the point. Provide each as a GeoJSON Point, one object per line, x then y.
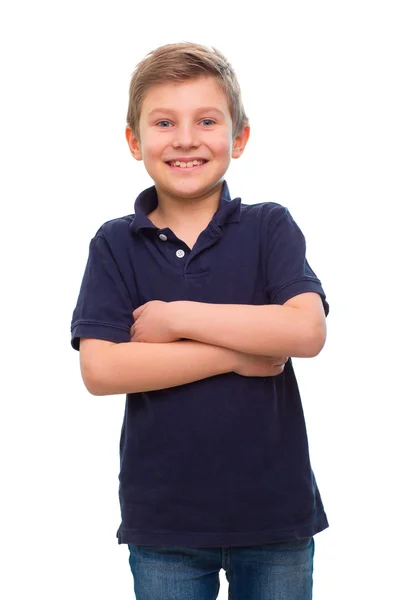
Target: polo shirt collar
{"type": "Point", "coordinates": [228, 210]}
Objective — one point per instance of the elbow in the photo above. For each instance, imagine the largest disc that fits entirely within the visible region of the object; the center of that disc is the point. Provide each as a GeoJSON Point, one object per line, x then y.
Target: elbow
{"type": "Point", "coordinates": [316, 341]}
{"type": "Point", "coordinates": [94, 389]}
{"type": "Point", "coordinates": [94, 378]}
{"type": "Point", "coordinates": [92, 383]}
{"type": "Point", "coordinates": [95, 366]}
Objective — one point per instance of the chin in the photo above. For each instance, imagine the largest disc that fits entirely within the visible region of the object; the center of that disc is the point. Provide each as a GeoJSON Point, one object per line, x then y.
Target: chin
{"type": "Point", "coordinates": [187, 191]}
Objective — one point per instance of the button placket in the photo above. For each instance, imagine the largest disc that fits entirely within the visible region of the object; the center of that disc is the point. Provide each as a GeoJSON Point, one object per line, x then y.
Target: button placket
{"type": "Point", "coordinates": [180, 253]}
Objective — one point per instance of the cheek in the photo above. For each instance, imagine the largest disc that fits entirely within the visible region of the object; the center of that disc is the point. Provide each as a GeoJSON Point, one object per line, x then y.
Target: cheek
{"type": "Point", "coordinates": [152, 145]}
{"type": "Point", "coordinates": [222, 147]}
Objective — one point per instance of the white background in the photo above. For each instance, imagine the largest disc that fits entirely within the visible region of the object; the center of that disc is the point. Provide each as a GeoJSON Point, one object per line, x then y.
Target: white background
{"type": "Point", "coordinates": [320, 84]}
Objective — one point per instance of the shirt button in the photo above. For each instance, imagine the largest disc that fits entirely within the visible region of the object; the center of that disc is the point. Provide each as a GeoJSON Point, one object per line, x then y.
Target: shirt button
{"type": "Point", "coordinates": [180, 253]}
{"type": "Point", "coordinates": [163, 237]}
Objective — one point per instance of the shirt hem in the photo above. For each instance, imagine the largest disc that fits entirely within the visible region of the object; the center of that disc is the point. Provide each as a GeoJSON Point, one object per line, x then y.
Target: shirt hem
{"type": "Point", "coordinates": [223, 539]}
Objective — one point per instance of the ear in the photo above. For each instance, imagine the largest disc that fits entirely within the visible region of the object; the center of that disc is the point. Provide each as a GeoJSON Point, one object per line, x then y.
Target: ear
{"type": "Point", "coordinates": [133, 143]}
{"type": "Point", "coordinates": [240, 141]}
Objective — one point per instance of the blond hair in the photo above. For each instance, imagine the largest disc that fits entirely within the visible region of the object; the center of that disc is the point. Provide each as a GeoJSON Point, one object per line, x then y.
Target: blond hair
{"type": "Point", "coordinates": [179, 62]}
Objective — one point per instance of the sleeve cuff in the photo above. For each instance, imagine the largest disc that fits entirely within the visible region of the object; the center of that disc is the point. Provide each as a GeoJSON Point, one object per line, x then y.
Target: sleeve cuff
{"type": "Point", "coordinates": [108, 333]}
{"type": "Point", "coordinates": [300, 287]}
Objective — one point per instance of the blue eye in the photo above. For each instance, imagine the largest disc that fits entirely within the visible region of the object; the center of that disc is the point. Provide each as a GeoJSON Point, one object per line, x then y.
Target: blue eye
{"type": "Point", "coordinates": [160, 123]}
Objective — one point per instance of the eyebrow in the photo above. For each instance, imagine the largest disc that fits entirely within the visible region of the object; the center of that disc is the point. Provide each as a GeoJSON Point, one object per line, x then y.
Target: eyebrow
{"type": "Point", "coordinates": [172, 111]}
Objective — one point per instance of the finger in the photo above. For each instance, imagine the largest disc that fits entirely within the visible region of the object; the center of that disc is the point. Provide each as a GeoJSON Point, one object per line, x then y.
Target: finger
{"type": "Point", "coordinates": [138, 311]}
{"type": "Point", "coordinates": [280, 364]}
{"type": "Point", "coordinates": [279, 368]}
{"type": "Point", "coordinates": [281, 359]}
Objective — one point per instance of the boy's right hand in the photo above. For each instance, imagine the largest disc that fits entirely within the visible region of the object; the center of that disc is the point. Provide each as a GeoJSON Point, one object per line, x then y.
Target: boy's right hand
{"type": "Point", "coordinates": [256, 365]}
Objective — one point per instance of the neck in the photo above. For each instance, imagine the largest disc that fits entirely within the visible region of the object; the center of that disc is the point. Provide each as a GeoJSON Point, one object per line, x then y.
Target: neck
{"type": "Point", "coordinates": [185, 212]}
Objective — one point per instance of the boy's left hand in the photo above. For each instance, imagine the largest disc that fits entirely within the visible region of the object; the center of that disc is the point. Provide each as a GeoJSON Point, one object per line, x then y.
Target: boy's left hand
{"type": "Point", "coordinates": [154, 322]}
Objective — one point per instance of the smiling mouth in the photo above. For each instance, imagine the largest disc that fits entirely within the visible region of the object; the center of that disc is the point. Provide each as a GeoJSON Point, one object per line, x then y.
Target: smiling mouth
{"type": "Point", "coordinates": [186, 168]}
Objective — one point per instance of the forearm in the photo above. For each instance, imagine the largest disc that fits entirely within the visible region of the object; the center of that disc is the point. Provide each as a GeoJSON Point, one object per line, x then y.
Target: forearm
{"type": "Point", "coordinates": [270, 330]}
{"type": "Point", "coordinates": [139, 367]}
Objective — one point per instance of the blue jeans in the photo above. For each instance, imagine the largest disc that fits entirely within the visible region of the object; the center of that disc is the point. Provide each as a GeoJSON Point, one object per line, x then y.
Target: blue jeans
{"type": "Point", "coordinates": [280, 571]}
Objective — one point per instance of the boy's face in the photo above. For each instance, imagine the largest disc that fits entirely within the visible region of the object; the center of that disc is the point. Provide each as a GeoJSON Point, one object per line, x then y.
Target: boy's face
{"type": "Point", "coordinates": [186, 121]}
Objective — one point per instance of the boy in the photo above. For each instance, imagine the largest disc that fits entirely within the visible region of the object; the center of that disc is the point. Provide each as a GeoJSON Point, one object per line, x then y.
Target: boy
{"type": "Point", "coordinates": [191, 307]}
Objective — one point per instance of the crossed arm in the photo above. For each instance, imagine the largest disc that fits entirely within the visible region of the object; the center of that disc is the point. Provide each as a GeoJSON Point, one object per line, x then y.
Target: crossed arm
{"type": "Point", "coordinates": [183, 342]}
{"type": "Point", "coordinates": [297, 328]}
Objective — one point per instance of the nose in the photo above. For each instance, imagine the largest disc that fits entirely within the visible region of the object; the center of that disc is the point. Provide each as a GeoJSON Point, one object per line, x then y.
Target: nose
{"type": "Point", "coordinates": [185, 137]}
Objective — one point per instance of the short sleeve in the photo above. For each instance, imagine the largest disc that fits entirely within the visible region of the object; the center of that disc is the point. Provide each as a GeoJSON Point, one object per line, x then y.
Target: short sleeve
{"type": "Point", "coordinates": [104, 307]}
{"type": "Point", "coordinates": [287, 271]}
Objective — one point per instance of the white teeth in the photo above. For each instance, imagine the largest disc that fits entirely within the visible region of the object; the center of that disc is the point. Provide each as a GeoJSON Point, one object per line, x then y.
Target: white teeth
{"type": "Point", "coordinates": [190, 164]}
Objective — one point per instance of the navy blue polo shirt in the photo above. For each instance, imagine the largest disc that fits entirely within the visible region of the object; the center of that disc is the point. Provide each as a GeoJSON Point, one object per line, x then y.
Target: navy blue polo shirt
{"type": "Point", "coordinates": [223, 461]}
